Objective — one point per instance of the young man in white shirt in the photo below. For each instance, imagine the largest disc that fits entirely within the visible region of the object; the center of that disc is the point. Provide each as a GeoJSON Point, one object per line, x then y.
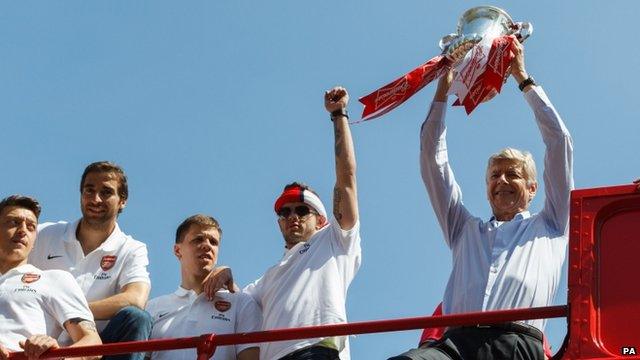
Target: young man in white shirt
{"type": "Point", "coordinates": [513, 260]}
{"type": "Point", "coordinates": [308, 286]}
{"type": "Point", "coordinates": [35, 305]}
{"type": "Point", "coordinates": [188, 311]}
{"type": "Point", "coordinates": [109, 265]}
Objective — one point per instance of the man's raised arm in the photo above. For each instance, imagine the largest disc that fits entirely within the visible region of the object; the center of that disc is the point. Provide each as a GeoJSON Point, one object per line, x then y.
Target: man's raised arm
{"type": "Point", "coordinates": [558, 158]}
{"type": "Point", "coordinates": [444, 193]}
{"type": "Point", "coordinates": [345, 198]}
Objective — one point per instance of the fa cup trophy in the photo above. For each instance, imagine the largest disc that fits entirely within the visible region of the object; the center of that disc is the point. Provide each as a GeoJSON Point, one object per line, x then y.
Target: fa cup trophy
{"type": "Point", "coordinates": [479, 54]}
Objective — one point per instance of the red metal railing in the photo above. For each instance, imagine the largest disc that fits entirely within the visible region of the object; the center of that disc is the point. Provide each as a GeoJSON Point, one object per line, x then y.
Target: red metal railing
{"type": "Point", "coordinates": [207, 343]}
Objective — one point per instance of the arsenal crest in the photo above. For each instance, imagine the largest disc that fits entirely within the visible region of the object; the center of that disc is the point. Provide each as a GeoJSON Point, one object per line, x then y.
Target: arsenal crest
{"type": "Point", "coordinates": [222, 305]}
{"type": "Point", "coordinates": [107, 262]}
{"type": "Point", "coordinates": [28, 278]}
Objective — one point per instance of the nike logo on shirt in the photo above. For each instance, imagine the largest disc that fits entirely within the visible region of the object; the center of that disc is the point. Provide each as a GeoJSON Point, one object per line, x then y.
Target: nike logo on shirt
{"type": "Point", "coordinates": [49, 257]}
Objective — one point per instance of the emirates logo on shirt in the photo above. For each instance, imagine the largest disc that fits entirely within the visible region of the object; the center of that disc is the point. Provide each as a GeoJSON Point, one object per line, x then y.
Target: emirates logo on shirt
{"type": "Point", "coordinates": [30, 277]}
{"type": "Point", "coordinates": [222, 305]}
{"type": "Point", "coordinates": [107, 262]}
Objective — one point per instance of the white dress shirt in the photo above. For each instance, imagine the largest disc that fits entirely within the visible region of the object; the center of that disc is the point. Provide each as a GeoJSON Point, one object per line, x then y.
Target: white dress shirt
{"type": "Point", "coordinates": [502, 265]}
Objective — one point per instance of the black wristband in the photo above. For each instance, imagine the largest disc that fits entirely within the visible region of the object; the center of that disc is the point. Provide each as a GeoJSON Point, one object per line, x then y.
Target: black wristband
{"type": "Point", "coordinates": [526, 82]}
{"type": "Point", "coordinates": [339, 112]}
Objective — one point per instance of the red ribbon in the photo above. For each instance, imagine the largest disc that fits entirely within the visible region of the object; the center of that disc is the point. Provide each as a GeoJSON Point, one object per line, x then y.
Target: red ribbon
{"type": "Point", "coordinates": [398, 91]}
{"type": "Point", "coordinates": [492, 78]}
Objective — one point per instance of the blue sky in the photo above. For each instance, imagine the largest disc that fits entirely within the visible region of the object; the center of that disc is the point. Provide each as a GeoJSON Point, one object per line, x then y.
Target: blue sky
{"type": "Point", "coordinates": [212, 106]}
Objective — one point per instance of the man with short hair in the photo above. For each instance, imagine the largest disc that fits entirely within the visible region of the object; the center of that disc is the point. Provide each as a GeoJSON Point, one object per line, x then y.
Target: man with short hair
{"type": "Point", "coordinates": [35, 304]}
{"type": "Point", "coordinates": [513, 260]}
{"type": "Point", "coordinates": [188, 311]}
{"type": "Point", "coordinates": [308, 286]}
{"type": "Point", "coordinates": [109, 265]}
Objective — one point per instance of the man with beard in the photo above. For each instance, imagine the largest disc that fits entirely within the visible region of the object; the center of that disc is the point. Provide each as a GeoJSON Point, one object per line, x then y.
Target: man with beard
{"type": "Point", "coordinates": [109, 265]}
{"type": "Point", "coordinates": [35, 304]}
{"type": "Point", "coordinates": [308, 286]}
{"type": "Point", "coordinates": [188, 311]}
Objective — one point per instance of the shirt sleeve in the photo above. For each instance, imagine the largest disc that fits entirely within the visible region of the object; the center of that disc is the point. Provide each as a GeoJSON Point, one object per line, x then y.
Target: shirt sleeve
{"type": "Point", "coordinates": [254, 291]}
{"type": "Point", "coordinates": [444, 193]}
{"type": "Point", "coordinates": [135, 267]}
{"type": "Point", "coordinates": [66, 301]}
{"type": "Point", "coordinates": [558, 159]}
{"type": "Point", "coordinates": [349, 240]}
{"type": "Point", "coordinates": [249, 319]}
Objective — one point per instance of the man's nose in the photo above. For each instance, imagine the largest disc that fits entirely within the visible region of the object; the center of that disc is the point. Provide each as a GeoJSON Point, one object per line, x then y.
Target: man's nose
{"type": "Point", "coordinates": [95, 197]}
{"type": "Point", "coordinates": [206, 246]}
{"type": "Point", "coordinates": [22, 227]}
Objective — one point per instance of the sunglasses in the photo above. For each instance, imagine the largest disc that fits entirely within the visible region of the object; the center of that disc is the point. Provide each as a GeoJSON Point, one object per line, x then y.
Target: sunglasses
{"type": "Point", "coordinates": [300, 210]}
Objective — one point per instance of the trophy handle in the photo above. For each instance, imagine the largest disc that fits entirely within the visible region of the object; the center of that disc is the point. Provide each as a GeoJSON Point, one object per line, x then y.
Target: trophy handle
{"type": "Point", "coordinates": [446, 40]}
{"type": "Point", "coordinates": [523, 30]}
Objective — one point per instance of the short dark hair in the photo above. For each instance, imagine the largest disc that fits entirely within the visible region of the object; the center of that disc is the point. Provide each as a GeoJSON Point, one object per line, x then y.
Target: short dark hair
{"type": "Point", "coordinates": [25, 202]}
{"type": "Point", "coordinates": [108, 167]}
{"type": "Point", "coordinates": [301, 185]}
{"type": "Point", "coordinates": [198, 219]}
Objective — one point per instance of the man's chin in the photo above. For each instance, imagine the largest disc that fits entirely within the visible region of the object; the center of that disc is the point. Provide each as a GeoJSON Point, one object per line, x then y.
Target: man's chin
{"type": "Point", "coordinates": [95, 220]}
{"type": "Point", "coordinates": [293, 240]}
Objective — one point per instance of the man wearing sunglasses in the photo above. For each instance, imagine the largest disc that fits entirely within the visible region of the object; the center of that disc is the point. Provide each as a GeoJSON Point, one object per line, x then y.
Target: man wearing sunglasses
{"type": "Point", "coordinates": [308, 286]}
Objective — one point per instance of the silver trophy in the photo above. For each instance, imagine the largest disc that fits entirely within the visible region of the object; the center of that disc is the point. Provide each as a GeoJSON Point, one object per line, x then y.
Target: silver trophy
{"type": "Point", "coordinates": [477, 24]}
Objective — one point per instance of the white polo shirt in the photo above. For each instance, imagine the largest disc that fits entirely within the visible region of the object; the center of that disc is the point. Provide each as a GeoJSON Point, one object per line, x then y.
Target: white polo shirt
{"type": "Point", "coordinates": [309, 287]}
{"type": "Point", "coordinates": [36, 302]}
{"type": "Point", "coordinates": [185, 314]}
{"type": "Point", "coordinates": [118, 261]}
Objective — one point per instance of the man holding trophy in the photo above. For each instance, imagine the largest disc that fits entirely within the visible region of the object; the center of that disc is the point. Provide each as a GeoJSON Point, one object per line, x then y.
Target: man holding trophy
{"type": "Point", "coordinates": [514, 259]}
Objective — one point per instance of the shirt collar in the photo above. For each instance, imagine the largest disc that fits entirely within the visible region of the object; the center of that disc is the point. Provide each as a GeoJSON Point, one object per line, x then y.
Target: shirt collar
{"type": "Point", "coordinates": [182, 292]}
{"type": "Point", "coordinates": [115, 239]}
{"type": "Point", "coordinates": [519, 216]}
{"type": "Point", "coordinates": [296, 246]}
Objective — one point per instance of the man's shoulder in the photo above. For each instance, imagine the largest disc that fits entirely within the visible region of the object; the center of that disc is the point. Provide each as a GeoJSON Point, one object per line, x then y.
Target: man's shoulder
{"type": "Point", "coordinates": [128, 244]}
{"type": "Point", "coordinates": [161, 303]}
{"type": "Point", "coordinates": [57, 281]}
{"type": "Point", "coordinates": [53, 229]}
{"type": "Point", "coordinates": [60, 278]}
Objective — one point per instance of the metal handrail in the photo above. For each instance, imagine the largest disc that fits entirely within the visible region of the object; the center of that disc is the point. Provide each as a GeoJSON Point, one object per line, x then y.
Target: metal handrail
{"type": "Point", "coordinates": [206, 344]}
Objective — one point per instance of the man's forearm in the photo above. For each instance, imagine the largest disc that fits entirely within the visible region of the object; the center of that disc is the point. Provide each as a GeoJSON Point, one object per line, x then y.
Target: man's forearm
{"type": "Point", "coordinates": [134, 294]}
{"type": "Point", "coordinates": [345, 200]}
{"type": "Point", "coordinates": [86, 340]}
{"type": "Point", "coordinates": [344, 197]}
{"type": "Point", "coordinates": [558, 165]}
{"type": "Point", "coordinates": [83, 333]}
{"type": "Point", "coordinates": [105, 309]}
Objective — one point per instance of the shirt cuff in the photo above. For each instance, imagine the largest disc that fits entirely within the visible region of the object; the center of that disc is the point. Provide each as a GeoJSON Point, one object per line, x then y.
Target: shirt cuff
{"type": "Point", "coordinates": [536, 97]}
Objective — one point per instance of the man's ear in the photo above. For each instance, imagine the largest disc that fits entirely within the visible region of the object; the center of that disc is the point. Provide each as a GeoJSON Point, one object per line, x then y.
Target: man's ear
{"type": "Point", "coordinates": [176, 251]}
{"type": "Point", "coordinates": [320, 222]}
{"type": "Point", "coordinates": [123, 204]}
{"type": "Point", "coordinates": [533, 188]}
